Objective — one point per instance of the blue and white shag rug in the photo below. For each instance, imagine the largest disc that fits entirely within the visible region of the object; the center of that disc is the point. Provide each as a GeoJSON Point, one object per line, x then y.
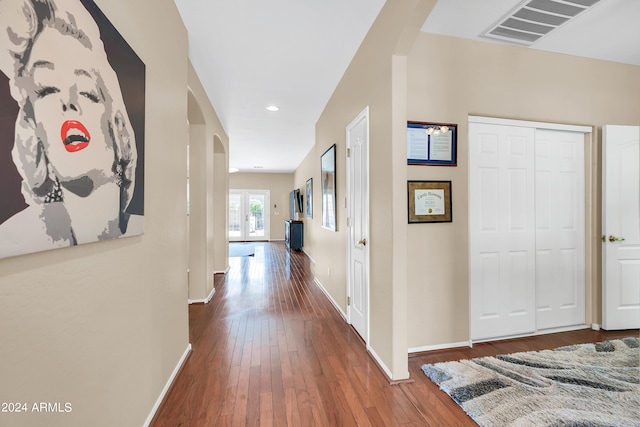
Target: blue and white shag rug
{"type": "Point", "coordinates": [586, 385]}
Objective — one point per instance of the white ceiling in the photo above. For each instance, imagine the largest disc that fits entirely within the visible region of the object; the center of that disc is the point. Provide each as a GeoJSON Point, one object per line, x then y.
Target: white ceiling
{"type": "Point", "coordinates": [250, 54]}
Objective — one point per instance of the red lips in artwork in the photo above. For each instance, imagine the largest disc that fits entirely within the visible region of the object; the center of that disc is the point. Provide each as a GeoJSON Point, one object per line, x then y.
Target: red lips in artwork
{"type": "Point", "coordinates": [75, 136]}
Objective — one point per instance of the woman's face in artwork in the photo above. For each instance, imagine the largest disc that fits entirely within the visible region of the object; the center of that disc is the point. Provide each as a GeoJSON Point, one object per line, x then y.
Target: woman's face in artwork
{"type": "Point", "coordinates": [69, 108]}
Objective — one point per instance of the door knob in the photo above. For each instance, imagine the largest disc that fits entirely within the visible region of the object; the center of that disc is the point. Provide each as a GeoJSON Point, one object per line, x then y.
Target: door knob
{"type": "Point", "coordinates": [615, 239]}
{"type": "Point", "coordinates": [362, 242]}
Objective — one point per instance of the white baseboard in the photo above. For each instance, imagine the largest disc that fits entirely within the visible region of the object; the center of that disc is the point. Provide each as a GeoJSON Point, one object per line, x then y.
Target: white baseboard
{"type": "Point", "coordinates": [167, 385]}
{"type": "Point", "coordinates": [440, 347]}
{"type": "Point", "coordinates": [564, 329]}
{"type": "Point", "coordinates": [205, 300]}
{"type": "Point", "coordinates": [313, 261]}
{"type": "Point", "coordinates": [380, 363]}
{"type": "Point", "coordinates": [469, 343]}
{"type": "Point", "coordinates": [536, 333]}
{"type": "Point", "coordinates": [225, 271]}
{"type": "Point", "coordinates": [375, 356]}
{"type": "Point", "coordinates": [335, 304]}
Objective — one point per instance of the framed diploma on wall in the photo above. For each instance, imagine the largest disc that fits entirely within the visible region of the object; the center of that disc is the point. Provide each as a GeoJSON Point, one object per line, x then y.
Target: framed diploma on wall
{"type": "Point", "coordinates": [432, 143]}
{"type": "Point", "coordinates": [429, 201]}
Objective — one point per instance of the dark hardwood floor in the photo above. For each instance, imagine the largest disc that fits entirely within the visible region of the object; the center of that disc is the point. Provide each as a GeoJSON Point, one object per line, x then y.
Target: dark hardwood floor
{"type": "Point", "coordinates": [271, 350]}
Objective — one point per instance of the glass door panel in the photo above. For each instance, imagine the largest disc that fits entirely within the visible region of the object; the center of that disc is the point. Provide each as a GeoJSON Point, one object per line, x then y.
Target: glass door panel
{"type": "Point", "coordinates": [256, 215]}
{"type": "Point", "coordinates": [235, 216]}
{"type": "Point", "coordinates": [248, 215]}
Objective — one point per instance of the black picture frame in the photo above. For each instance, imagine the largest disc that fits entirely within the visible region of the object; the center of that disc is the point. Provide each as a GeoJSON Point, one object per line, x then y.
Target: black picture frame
{"type": "Point", "coordinates": [432, 144]}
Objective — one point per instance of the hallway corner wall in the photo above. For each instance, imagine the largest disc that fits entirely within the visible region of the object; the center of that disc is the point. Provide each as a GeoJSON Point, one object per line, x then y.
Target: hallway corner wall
{"type": "Point", "coordinates": [370, 81]}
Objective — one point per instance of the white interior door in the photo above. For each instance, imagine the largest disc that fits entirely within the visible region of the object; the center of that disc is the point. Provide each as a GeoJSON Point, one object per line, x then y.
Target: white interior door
{"type": "Point", "coordinates": [358, 224]}
{"type": "Point", "coordinates": [248, 215]}
{"type": "Point", "coordinates": [501, 230]}
{"type": "Point", "coordinates": [560, 225]}
{"type": "Point", "coordinates": [621, 227]}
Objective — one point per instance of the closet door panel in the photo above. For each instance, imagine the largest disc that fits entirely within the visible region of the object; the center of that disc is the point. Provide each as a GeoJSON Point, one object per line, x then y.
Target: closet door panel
{"type": "Point", "coordinates": [526, 230]}
{"type": "Point", "coordinates": [502, 230]}
{"type": "Point", "coordinates": [560, 223]}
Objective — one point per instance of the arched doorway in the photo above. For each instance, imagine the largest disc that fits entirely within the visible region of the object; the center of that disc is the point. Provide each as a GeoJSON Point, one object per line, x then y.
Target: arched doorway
{"type": "Point", "coordinates": [200, 163]}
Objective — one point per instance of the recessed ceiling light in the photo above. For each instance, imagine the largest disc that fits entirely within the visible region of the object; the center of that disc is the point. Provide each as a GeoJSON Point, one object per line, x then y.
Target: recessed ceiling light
{"type": "Point", "coordinates": [273, 108]}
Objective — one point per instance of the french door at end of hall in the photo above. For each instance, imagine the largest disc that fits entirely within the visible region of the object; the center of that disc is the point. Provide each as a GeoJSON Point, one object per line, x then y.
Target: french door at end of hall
{"type": "Point", "coordinates": [248, 215]}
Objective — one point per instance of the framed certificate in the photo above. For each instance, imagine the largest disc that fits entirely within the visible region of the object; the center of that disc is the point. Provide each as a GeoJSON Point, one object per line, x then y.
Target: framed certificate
{"type": "Point", "coordinates": [432, 143]}
{"type": "Point", "coordinates": [429, 201]}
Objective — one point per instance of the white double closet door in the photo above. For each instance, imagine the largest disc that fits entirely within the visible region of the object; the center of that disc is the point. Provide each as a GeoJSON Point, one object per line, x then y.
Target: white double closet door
{"type": "Point", "coordinates": [526, 229]}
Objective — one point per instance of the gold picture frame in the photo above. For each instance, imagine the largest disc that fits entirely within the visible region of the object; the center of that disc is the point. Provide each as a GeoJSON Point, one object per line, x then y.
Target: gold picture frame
{"type": "Point", "coordinates": [429, 201]}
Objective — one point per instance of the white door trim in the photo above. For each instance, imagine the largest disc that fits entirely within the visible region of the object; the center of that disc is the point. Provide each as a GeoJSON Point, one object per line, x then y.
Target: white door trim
{"type": "Point", "coordinates": [526, 123]}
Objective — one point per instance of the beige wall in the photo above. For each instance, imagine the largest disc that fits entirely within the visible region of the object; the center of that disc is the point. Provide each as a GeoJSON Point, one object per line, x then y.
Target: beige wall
{"type": "Point", "coordinates": [200, 219]}
{"type": "Point", "coordinates": [375, 79]}
{"type": "Point", "coordinates": [103, 325]}
{"type": "Point", "coordinates": [279, 186]}
{"type": "Point", "coordinates": [313, 233]}
{"type": "Point", "coordinates": [450, 79]}
{"type": "Point", "coordinates": [220, 201]}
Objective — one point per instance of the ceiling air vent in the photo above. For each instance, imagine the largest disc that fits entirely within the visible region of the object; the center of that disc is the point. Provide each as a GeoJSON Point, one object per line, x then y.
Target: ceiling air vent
{"type": "Point", "coordinates": [534, 19]}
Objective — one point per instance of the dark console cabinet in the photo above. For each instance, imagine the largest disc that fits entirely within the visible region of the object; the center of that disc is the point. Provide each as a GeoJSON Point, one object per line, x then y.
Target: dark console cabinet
{"type": "Point", "coordinates": [293, 234]}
